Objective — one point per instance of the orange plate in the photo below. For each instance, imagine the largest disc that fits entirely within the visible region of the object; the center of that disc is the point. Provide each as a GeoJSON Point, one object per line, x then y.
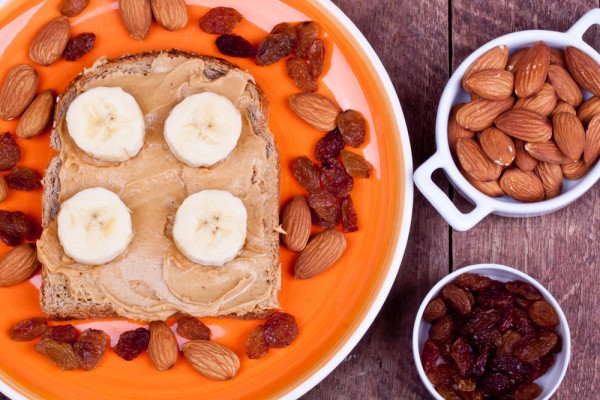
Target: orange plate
{"type": "Point", "coordinates": [333, 309]}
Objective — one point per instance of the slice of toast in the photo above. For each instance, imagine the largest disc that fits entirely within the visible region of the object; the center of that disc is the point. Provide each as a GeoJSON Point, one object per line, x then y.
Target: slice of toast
{"type": "Point", "coordinates": [248, 286]}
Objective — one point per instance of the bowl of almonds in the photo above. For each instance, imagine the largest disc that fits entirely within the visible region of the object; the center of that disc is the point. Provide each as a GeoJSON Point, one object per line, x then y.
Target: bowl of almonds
{"type": "Point", "coordinates": [518, 126]}
{"type": "Point", "coordinates": [490, 331]}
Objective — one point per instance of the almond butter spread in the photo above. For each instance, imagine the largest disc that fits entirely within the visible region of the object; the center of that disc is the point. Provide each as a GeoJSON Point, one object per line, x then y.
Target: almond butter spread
{"type": "Point", "coordinates": [152, 280]}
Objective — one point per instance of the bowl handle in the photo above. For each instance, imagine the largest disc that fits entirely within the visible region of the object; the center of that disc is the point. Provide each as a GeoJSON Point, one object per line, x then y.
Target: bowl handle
{"type": "Point", "coordinates": [580, 27]}
{"type": "Point", "coordinates": [441, 202]}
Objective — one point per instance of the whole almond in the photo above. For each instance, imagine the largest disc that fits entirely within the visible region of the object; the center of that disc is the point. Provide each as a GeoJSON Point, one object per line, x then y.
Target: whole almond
{"type": "Point", "coordinates": [516, 59]}
{"type": "Point", "coordinates": [475, 162]}
{"type": "Point", "coordinates": [562, 106]}
{"type": "Point", "coordinates": [480, 114]}
{"type": "Point", "coordinates": [321, 252]}
{"type": "Point", "coordinates": [523, 159]}
{"type": "Point", "coordinates": [551, 176]}
{"type": "Point", "coordinates": [491, 188]}
{"type": "Point", "coordinates": [591, 152]}
{"type": "Point", "coordinates": [491, 84]}
{"type": "Point", "coordinates": [316, 110]}
{"type": "Point", "coordinates": [521, 185]}
{"type": "Point", "coordinates": [531, 75]}
{"type": "Point", "coordinates": [495, 58]}
{"type": "Point", "coordinates": [18, 89]}
{"type": "Point", "coordinates": [163, 347]}
{"type": "Point", "coordinates": [557, 57]}
{"type": "Point", "coordinates": [296, 222]}
{"type": "Point", "coordinates": [18, 265]}
{"type": "Point", "coordinates": [211, 359]}
{"type": "Point", "coordinates": [498, 146]}
{"type": "Point", "coordinates": [525, 125]}
{"type": "Point", "coordinates": [455, 131]}
{"type": "Point", "coordinates": [583, 69]}
{"type": "Point", "coordinates": [542, 103]}
{"type": "Point", "coordinates": [50, 42]}
{"type": "Point", "coordinates": [575, 170]}
{"type": "Point", "coordinates": [137, 17]}
{"type": "Point", "coordinates": [569, 135]}
{"type": "Point", "coordinates": [547, 151]}
{"type": "Point", "coordinates": [170, 14]}
{"type": "Point", "coordinates": [3, 189]}
{"type": "Point", "coordinates": [72, 8]}
{"type": "Point", "coordinates": [566, 88]}
{"type": "Point", "coordinates": [37, 116]}
{"type": "Point", "coordinates": [588, 110]}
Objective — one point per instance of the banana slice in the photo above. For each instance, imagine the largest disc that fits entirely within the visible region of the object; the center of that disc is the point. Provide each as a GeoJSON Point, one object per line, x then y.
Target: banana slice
{"type": "Point", "coordinates": [203, 129]}
{"type": "Point", "coordinates": [94, 226]}
{"type": "Point", "coordinates": [210, 227]}
{"type": "Point", "coordinates": [107, 123]}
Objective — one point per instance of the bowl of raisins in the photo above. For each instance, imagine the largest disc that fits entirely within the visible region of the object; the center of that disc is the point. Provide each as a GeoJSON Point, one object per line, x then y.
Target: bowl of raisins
{"type": "Point", "coordinates": [489, 331]}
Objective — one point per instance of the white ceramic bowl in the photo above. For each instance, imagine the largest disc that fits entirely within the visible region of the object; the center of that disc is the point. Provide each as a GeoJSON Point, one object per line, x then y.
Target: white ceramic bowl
{"type": "Point", "coordinates": [548, 382]}
{"type": "Point", "coordinates": [453, 94]}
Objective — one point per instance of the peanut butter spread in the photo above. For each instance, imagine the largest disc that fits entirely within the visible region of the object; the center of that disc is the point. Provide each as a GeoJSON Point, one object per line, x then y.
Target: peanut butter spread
{"type": "Point", "coordinates": [152, 280]}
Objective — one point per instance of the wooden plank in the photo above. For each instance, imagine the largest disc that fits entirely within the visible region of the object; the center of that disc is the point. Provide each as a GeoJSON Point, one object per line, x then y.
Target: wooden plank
{"type": "Point", "coordinates": [559, 249]}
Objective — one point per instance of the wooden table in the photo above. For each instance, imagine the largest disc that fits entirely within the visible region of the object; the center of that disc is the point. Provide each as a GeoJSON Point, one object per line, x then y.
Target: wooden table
{"type": "Point", "coordinates": [421, 43]}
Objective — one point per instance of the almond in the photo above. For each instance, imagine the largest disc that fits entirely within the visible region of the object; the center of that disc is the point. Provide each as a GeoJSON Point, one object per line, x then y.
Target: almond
{"type": "Point", "coordinates": [495, 58]}
{"type": "Point", "coordinates": [316, 110]}
{"type": "Point", "coordinates": [562, 106]}
{"type": "Point", "coordinates": [588, 110]}
{"type": "Point", "coordinates": [523, 159]}
{"type": "Point", "coordinates": [591, 151]}
{"type": "Point", "coordinates": [72, 8]}
{"type": "Point", "coordinates": [480, 114]}
{"type": "Point", "coordinates": [525, 125]}
{"type": "Point", "coordinates": [557, 57]}
{"type": "Point", "coordinates": [475, 162]}
{"type": "Point", "coordinates": [137, 17]}
{"type": "Point", "coordinates": [18, 265]}
{"type": "Point", "coordinates": [531, 75]}
{"type": "Point", "coordinates": [296, 222]}
{"type": "Point", "coordinates": [18, 89]}
{"type": "Point", "coordinates": [569, 135]}
{"type": "Point", "coordinates": [455, 131]}
{"type": "Point", "coordinates": [211, 359]}
{"type": "Point", "coordinates": [575, 170]}
{"type": "Point", "coordinates": [163, 347]}
{"type": "Point", "coordinates": [583, 69]}
{"type": "Point", "coordinates": [566, 88]}
{"type": "Point", "coordinates": [521, 185]}
{"type": "Point", "coordinates": [515, 60]}
{"type": "Point", "coordinates": [547, 151]}
{"type": "Point", "coordinates": [491, 188]}
{"type": "Point", "coordinates": [3, 189]}
{"type": "Point", "coordinates": [37, 116]}
{"type": "Point", "coordinates": [498, 146]}
{"type": "Point", "coordinates": [50, 42]}
{"type": "Point", "coordinates": [551, 176]}
{"type": "Point", "coordinates": [321, 252]}
{"type": "Point", "coordinates": [542, 103]}
{"type": "Point", "coordinates": [491, 84]}
{"type": "Point", "coordinates": [170, 14]}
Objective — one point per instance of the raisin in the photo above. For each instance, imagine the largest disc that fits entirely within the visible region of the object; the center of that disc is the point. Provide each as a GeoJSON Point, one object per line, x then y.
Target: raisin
{"type": "Point", "coordinates": [329, 146]}
{"type": "Point", "coordinates": [273, 48]}
{"type": "Point", "coordinates": [220, 20]}
{"type": "Point", "coordinates": [235, 46]}
{"type": "Point", "coordinates": [458, 299]}
{"type": "Point", "coordinates": [430, 355]}
{"type": "Point", "coordinates": [256, 344]}
{"type": "Point", "coordinates": [353, 127]}
{"type": "Point", "coordinates": [23, 178]}
{"type": "Point", "coordinates": [60, 353]}
{"type": "Point", "coordinates": [62, 333]}
{"type": "Point", "coordinates": [532, 349]}
{"type": "Point", "coordinates": [192, 329]}
{"type": "Point", "coordinates": [463, 355]}
{"type": "Point", "coordinates": [132, 343]}
{"type": "Point", "coordinates": [529, 391]}
{"type": "Point", "coordinates": [299, 73]}
{"type": "Point", "coordinates": [518, 371]}
{"type": "Point", "coordinates": [481, 361]}
{"type": "Point", "coordinates": [445, 350]}
{"type": "Point", "coordinates": [523, 304]}
{"type": "Point", "coordinates": [349, 216]}
{"type": "Point", "coordinates": [448, 393]}
{"type": "Point", "coordinates": [442, 329]}
{"type": "Point", "coordinates": [287, 29]}
{"type": "Point", "coordinates": [543, 314]}
{"type": "Point", "coordinates": [524, 290]}
{"type": "Point", "coordinates": [434, 310]}
{"type": "Point", "coordinates": [481, 320]}
{"type": "Point", "coordinates": [10, 153]}
{"type": "Point", "coordinates": [307, 174]}
{"type": "Point", "coordinates": [90, 348]}
{"type": "Point", "coordinates": [28, 329]}
{"type": "Point", "coordinates": [441, 375]}
{"type": "Point", "coordinates": [541, 366]}
{"type": "Point", "coordinates": [79, 46]}
{"type": "Point", "coordinates": [466, 385]}
{"type": "Point", "coordinates": [316, 58]}
{"type": "Point", "coordinates": [325, 209]}
{"type": "Point", "coordinates": [495, 384]}
{"type": "Point", "coordinates": [473, 282]}
{"type": "Point", "coordinates": [494, 297]}
{"type": "Point", "coordinates": [355, 164]}
{"type": "Point", "coordinates": [489, 338]}
{"type": "Point", "coordinates": [507, 343]}
{"type": "Point", "coordinates": [72, 8]}
{"type": "Point", "coordinates": [335, 179]}
{"type": "Point", "coordinates": [15, 227]}
{"type": "Point", "coordinates": [280, 330]}
{"type": "Point", "coordinates": [306, 33]}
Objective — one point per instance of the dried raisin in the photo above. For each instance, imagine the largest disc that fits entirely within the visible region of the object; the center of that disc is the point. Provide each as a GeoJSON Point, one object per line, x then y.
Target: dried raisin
{"type": "Point", "coordinates": [463, 356]}
{"type": "Point", "coordinates": [442, 329]}
{"type": "Point", "coordinates": [532, 349]}
{"type": "Point", "coordinates": [329, 146]}
{"type": "Point", "coordinates": [28, 329]}
{"type": "Point", "coordinates": [79, 46]}
{"type": "Point", "coordinates": [23, 178]}
{"type": "Point", "coordinates": [15, 227]}
{"type": "Point", "coordinates": [349, 216]}
{"type": "Point", "coordinates": [280, 330]}
{"type": "Point", "coordinates": [192, 329]}
{"type": "Point", "coordinates": [235, 46]}
{"type": "Point", "coordinates": [430, 355]}
{"type": "Point", "coordinates": [325, 208]}
{"type": "Point", "coordinates": [507, 343]}
{"type": "Point", "coordinates": [517, 370]}
{"type": "Point", "coordinates": [441, 375]}
{"type": "Point", "coordinates": [448, 393]}
{"type": "Point", "coordinates": [306, 33]}
{"type": "Point", "coordinates": [60, 353]}
{"type": "Point", "coordinates": [495, 384]}
{"type": "Point", "coordinates": [316, 58]}
{"type": "Point", "coordinates": [481, 320]}
{"type": "Point", "coordinates": [541, 366]}
{"type": "Point", "coordinates": [543, 314]}
{"type": "Point", "coordinates": [355, 164]}
{"type": "Point", "coordinates": [132, 343]}
{"type": "Point", "coordinates": [524, 290]}
{"type": "Point", "coordinates": [529, 391]}
{"type": "Point", "coordinates": [494, 297]}
{"type": "Point", "coordinates": [473, 282]}
{"type": "Point", "coordinates": [62, 333]}
{"type": "Point", "coordinates": [481, 361]}
{"type": "Point", "coordinates": [353, 127]}
{"type": "Point", "coordinates": [307, 174]}
{"type": "Point", "coordinates": [10, 153]}
{"type": "Point", "coordinates": [458, 299]}
{"type": "Point", "coordinates": [256, 344]}
{"type": "Point", "coordinates": [287, 29]}
{"type": "Point", "coordinates": [90, 348]}
{"type": "Point", "coordinates": [273, 48]}
{"type": "Point", "coordinates": [434, 310]}
{"type": "Point", "coordinates": [220, 20]}
{"type": "Point", "coordinates": [335, 179]}
{"type": "Point", "coordinates": [299, 72]}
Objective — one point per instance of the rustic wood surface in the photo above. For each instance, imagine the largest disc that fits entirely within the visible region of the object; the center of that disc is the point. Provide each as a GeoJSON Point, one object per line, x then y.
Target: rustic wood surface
{"type": "Point", "coordinates": [420, 43]}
